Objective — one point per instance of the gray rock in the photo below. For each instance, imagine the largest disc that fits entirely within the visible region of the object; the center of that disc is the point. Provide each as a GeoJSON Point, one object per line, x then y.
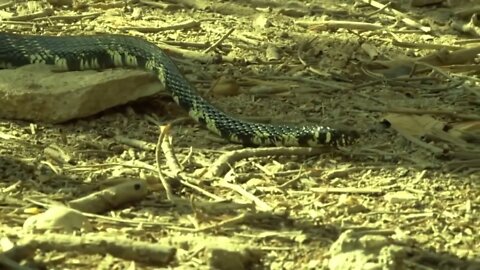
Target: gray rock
{"type": "Point", "coordinates": [38, 93]}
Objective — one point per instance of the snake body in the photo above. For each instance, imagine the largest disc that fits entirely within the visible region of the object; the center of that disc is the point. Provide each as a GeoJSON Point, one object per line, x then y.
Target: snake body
{"type": "Point", "coordinates": [73, 53]}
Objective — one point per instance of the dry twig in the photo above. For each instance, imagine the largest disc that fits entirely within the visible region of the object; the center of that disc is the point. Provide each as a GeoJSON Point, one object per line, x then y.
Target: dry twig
{"type": "Point", "coordinates": [219, 41]}
{"type": "Point", "coordinates": [129, 190]}
{"type": "Point", "coordinates": [259, 203]}
{"type": "Point", "coordinates": [127, 249]}
{"type": "Point", "coordinates": [172, 162]}
{"type": "Point", "coordinates": [406, 19]}
{"type": "Point", "coordinates": [183, 25]}
{"type": "Point", "coordinates": [225, 161]}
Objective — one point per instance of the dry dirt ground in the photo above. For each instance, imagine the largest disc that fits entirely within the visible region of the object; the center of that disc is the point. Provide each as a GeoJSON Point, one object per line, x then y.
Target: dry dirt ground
{"type": "Point", "coordinates": [406, 196]}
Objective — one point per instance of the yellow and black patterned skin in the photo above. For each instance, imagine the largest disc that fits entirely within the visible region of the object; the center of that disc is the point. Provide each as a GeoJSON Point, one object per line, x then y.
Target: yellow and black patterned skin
{"type": "Point", "coordinates": [72, 53]}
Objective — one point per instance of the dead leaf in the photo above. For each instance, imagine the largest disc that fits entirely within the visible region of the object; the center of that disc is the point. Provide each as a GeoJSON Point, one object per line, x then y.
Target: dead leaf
{"type": "Point", "coordinates": [414, 125]}
{"type": "Point", "coordinates": [425, 126]}
{"type": "Point", "coordinates": [467, 131]}
{"type": "Point", "coordinates": [401, 67]}
{"type": "Point", "coordinates": [225, 86]}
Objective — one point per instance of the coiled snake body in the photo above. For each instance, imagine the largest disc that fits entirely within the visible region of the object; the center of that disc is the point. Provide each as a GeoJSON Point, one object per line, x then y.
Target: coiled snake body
{"type": "Point", "coordinates": [110, 51]}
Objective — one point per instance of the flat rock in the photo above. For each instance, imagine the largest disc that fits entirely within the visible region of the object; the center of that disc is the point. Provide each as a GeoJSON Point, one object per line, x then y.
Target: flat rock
{"type": "Point", "coordinates": [41, 94]}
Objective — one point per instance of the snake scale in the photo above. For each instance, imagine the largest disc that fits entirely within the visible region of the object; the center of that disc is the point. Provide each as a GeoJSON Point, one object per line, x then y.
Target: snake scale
{"type": "Point", "coordinates": [73, 53]}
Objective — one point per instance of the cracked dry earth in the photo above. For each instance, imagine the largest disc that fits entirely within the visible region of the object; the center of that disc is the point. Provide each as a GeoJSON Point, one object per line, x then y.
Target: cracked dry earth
{"type": "Point", "coordinates": [406, 196]}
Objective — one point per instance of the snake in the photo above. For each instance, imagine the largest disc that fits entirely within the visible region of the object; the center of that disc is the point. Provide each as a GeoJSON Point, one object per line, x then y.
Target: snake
{"type": "Point", "coordinates": [105, 51]}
